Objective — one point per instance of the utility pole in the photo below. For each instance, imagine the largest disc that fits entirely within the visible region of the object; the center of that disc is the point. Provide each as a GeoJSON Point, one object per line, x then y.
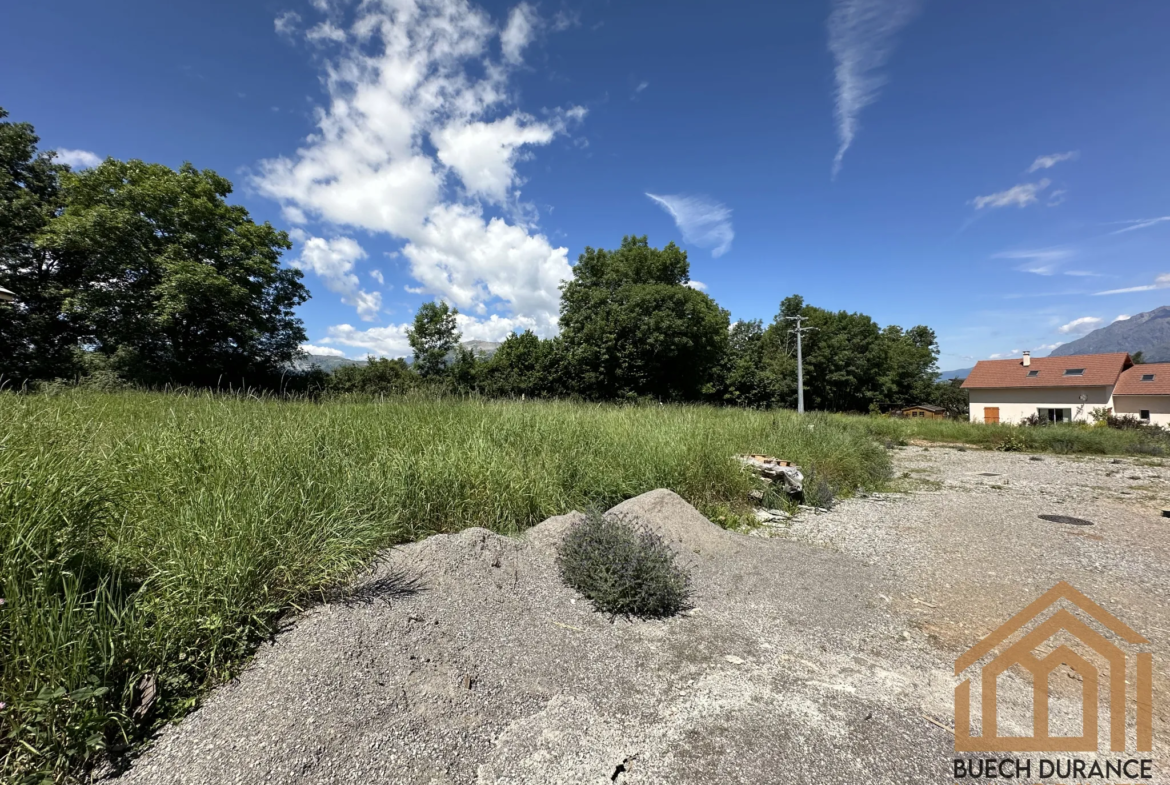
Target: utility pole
{"type": "Point", "coordinates": [800, 330]}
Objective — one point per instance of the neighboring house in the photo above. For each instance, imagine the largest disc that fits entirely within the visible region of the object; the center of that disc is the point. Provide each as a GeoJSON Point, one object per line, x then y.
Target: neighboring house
{"type": "Point", "coordinates": [1059, 389]}
{"type": "Point", "coordinates": [927, 410]}
{"type": "Point", "coordinates": [1143, 391]}
{"type": "Point", "coordinates": [6, 296]}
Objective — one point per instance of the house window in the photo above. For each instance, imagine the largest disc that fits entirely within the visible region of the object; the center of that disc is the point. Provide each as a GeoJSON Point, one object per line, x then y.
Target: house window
{"type": "Point", "coordinates": [1033, 374]}
{"type": "Point", "coordinates": [1145, 413]}
{"type": "Point", "coordinates": [1054, 415]}
{"type": "Point", "coordinates": [1074, 371]}
{"type": "Point", "coordinates": [1147, 377]}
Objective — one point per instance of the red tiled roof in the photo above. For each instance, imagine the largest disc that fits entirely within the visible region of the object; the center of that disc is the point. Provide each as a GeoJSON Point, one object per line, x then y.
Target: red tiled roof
{"type": "Point", "coordinates": [1131, 382]}
{"type": "Point", "coordinates": [1101, 370]}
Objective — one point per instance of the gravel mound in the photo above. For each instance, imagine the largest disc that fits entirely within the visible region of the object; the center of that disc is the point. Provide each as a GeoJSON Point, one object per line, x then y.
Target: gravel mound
{"type": "Point", "coordinates": [463, 659]}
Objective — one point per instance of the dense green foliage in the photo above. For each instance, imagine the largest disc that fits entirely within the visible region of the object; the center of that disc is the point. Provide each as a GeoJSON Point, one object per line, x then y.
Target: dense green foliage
{"type": "Point", "coordinates": [632, 327]}
{"type": "Point", "coordinates": [165, 534]}
{"type": "Point", "coordinates": [149, 268]}
{"type": "Point", "coordinates": [623, 568]}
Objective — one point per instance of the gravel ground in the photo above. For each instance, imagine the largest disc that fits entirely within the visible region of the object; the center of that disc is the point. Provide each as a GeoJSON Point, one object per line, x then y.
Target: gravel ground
{"type": "Point", "coordinates": [822, 654]}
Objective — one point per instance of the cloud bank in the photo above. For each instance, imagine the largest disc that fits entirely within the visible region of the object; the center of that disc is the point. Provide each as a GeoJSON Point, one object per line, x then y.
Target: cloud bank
{"type": "Point", "coordinates": [420, 141]}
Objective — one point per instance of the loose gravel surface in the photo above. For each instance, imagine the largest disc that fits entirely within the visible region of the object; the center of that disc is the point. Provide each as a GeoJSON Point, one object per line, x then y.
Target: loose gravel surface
{"type": "Point", "coordinates": [823, 653]}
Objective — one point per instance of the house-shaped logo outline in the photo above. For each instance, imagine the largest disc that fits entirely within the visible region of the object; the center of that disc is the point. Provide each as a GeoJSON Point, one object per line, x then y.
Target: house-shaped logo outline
{"type": "Point", "coordinates": [1020, 653]}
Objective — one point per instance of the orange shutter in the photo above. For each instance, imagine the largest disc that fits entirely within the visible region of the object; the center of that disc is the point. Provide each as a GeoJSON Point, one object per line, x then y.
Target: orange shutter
{"type": "Point", "coordinates": [991, 414]}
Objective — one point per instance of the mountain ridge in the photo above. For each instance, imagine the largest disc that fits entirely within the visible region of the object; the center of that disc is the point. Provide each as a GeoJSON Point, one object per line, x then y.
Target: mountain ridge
{"type": "Point", "coordinates": [1148, 333]}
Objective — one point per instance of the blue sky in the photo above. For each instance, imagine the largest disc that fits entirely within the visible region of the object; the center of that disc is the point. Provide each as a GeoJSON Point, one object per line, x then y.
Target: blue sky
{"type": "Point", "coordinates": [996, 170]}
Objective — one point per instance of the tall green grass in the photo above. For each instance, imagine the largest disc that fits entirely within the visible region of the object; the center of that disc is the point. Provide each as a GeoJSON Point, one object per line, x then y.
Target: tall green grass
{"type": "Point", "coordinates": [1064, 438]}
{"type": "Point", "coordinates": [166, 534]}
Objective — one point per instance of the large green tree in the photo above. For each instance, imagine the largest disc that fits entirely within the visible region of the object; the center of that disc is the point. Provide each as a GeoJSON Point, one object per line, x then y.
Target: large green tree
{"type": "Point", "coordinates": [37, 336]}
{"type": "Point", "coordinates": [632, 326]}
{"type": "Point", "coordinates": [178, 285]}
{"type": "Point", "coordinates": [140, 269]}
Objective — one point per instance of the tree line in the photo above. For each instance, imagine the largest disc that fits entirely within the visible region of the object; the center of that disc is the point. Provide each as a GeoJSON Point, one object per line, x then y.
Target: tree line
{"type": "Point", "coordinates": [134, 273]}
{"type": "Point", "coordinates": [633, 328]}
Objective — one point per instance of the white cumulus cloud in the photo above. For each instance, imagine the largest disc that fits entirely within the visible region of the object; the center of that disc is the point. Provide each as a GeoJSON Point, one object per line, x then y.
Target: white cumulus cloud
{"type": "Point", "coordinates": [1121, 317]}
{"type": "Point", "coordinates": [1086, 324]}
{"type": "Point", "coordinates": [78, 159]}
{"type": "Point", "coordinates": [418, 139]}
{"type": "Point", "coordinates": [287, 23]}
{"type": "Point", "coordinates": [381, 341]}
{"type": "Point", "coordinates": [518, 33]}
{"type": "Point", "coordinates": [1048, 347]}
{"type": "Point", "coordinates": [1020, 195]}
{"type": "Point", "coordinates": [861, 38]}
{"type": "Point", "coordinates": [333, 262]}
{"type": "Point", "coordinates": [321, 351]}
{"type": "Point", "coordinates": [1049, 161]}
{"type": "Point", "coordinates": [702, 221]}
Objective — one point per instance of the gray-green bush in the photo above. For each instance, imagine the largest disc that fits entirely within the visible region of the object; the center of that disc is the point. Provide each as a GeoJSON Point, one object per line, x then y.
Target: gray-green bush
{"type": "Point", "coordinates": [623, 568]}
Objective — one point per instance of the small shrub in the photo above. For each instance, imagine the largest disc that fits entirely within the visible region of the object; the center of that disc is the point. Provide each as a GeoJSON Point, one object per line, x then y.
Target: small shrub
{"type": "Point", "coordinates": [817, 490]}
{"type": "Point", "coordinates": [623, 568]}
{"type": "Point", "coordinates": [1011, 442]}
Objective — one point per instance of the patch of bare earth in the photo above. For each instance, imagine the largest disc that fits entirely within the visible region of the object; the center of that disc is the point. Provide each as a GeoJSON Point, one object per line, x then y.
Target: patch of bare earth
{"type": "Point", "coordinates": [823, 654]}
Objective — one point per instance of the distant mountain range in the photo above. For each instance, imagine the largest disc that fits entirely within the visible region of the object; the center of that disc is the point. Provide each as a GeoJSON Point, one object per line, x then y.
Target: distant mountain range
{"type": "Point", "coordinates": [1148, 333]}
{"type": "Point", "coordinates": [958, 373]}
{"type": "Point", "coordinates": [329, 364]}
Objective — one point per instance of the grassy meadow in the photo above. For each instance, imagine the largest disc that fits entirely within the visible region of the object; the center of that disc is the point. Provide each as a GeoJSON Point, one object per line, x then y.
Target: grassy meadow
{"type": "Point", "coordinates": [165, 535]}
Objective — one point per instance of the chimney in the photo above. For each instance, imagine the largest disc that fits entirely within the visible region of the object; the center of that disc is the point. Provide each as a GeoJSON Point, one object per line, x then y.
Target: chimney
{"type": "Point", "coordinates": [1027, 359]}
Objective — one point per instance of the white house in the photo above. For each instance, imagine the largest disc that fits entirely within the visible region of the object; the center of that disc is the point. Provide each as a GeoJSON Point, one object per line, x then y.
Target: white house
{"type": "Point", "coordinates": [6, 296]}
{"type": "Point", "coordinates": [1064, 389]}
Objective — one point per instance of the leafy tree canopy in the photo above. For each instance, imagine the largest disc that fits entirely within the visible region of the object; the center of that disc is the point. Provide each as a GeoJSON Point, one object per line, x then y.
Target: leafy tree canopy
{"type": "Point", "coordinates": [433, 337]}
{"type": "Point", "coordinates": [631, 326]}
{"type": "Point", "coordinates": [150, 267]}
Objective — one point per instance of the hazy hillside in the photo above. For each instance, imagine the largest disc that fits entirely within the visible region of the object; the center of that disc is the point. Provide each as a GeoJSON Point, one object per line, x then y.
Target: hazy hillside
{"type": "Point", "coordinates": [486, 348]}
{"type": "Point", "coordinates": [958, 373]}
{"type": "Point", "coordinates": [1147, 332]}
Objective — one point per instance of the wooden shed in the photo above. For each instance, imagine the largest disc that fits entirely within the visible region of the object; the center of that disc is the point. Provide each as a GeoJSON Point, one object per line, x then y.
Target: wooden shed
{"type": "Point", "coordinates": [927, 410]}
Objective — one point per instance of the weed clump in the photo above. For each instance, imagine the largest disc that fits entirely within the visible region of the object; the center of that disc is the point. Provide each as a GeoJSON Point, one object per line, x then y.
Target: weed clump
{"type": "Point", "coordinates": [623, 568]}
{"type": "Point", "coordinates": [818, 491]}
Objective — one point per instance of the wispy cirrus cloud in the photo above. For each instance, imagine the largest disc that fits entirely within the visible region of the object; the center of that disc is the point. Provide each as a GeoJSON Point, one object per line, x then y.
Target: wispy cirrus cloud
{"type": "Point", "coordinates": [1141, 223]}
{"type": "Point", "coordinates": [1085, 324]}
{"type": "Point", "coordinates": [1041, 261]}
{"type": "Point", "coordinates": [861, 38]}
{"type": "Point", "coordinates": [702, 221]}
{"type": "Point", "coordinates": [1049, 161]}
{"type": "Point", "coordinates": [1020, 195]}
{"type": "Point", "coordinates": [1161, 282]}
